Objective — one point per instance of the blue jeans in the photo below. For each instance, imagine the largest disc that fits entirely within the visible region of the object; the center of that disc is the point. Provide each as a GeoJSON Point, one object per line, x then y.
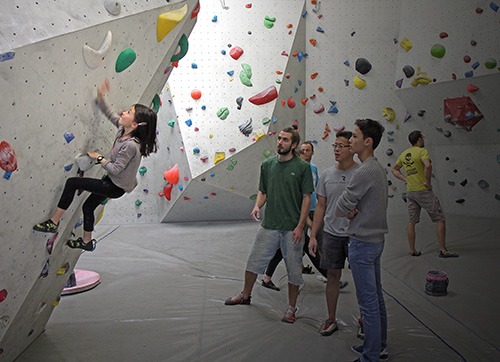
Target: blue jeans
{"type": "Point", "coordinates": [364, 259]}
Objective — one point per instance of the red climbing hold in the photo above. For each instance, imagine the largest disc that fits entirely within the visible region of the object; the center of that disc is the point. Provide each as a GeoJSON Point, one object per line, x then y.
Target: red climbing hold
{"type": "Point", "coordinates": [172, 175]}
{"type": "Point", "coordinates": [196, 94]}
{"type": "Point", "coordinates": [3, 295]}
{"type": "Point", "coordinates": [291, 102]}
{"type": "Point", "coordinates": [167, 191]}
{"type": "Point", "coordinates": [267, 95]}
{"type": "Point", "coordinates": [196, 10]}
{"type": "Point", "coordinates": [8, 161]}
{"type": "Point", "coordinates": [236, 52]}
{"type": "Point", "coordinates": [443, 35]}
{"type": "Point", "coordinates": [471, 88]}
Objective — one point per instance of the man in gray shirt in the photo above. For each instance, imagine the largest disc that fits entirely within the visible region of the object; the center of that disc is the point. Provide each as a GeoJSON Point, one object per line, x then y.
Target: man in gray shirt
{"type": "Point", "coordinates": [364, 203]}
{"type": "Point", "coordinates": [335, 241]}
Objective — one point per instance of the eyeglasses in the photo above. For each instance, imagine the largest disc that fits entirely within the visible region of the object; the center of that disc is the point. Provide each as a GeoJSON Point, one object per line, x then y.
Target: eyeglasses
{"type": "Point", "coordinates": [340, 145]}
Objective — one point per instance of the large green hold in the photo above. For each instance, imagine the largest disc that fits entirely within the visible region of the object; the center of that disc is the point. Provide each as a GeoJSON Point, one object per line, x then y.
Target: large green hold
{"type": "Point", "coordinates": [438, 51]}
{"type": "Point", "coordinates": [125, 60]}
{"type": "Point", "coordinates": [490, 63]}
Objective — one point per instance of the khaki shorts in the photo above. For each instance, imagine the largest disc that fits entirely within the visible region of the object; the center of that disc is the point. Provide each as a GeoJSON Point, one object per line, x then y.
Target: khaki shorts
{"type": "Point", "coordinates": [426, 200]}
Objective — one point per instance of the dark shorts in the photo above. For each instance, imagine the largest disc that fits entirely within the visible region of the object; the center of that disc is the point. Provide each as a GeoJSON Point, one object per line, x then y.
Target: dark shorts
{"type": "Point", "coordinates": [334, 251]}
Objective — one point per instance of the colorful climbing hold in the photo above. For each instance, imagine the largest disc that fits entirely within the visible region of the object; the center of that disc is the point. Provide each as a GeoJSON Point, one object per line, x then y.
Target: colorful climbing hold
{"type": "Point", "coordinates": [8, 160]}
{"type": "Point", "coordinates": [388, 114]}
{"type": "Point", "coordinates": [420, 78]}
{"type": "Point", "coordinates": [3, 295]}
{"type": "Point", "coordinates": [138, 202]}
{"type": "Point", "coordinates": [125, 60]}
{"type": "Point", "coordinates": [167, 191]}
{"type": "Point", "coordinates": [320, 108]}
{"type": "Point", "coordinates": [269, 22]}
{"type": "Point", "coordinates": [267, 95]}
{"type": "Point", "coordinates": [172, 175]}
{"type": "Point", "coordinates": [219, 156]}
{"type": "Point", "coordinates": [68, 136]}
{"type": "Point", "coordinates": [143, 170]}
{"type": "Point", "coordinates": [443, 35]}
{"type": "Point", "coordinates": [490, 63]}
{"type": "Point", "coordinates": [168, 21]}
{"type": "Point", "coordinates": [184, 47]}
{"type": "Point", "coordinates": [171, 123]}
{"type": "Point", "coordinates": [438, 51]}
{"type": "Point", "coordinates": [406, 44]}
{"type": "Point", "coordinates": [359, 83]}
{"type": "Point", "coordinates": [195, 11]}
{"type": "Point", "coordinates": [222, 113]}
{"type": "Point", "coordinates": [236, 52]}
{"type": "Point", "coordinates": [471, 88]}
{"type": "Point", "coordinates": [196, 94]}
{"type": "Point", "coordinates": [291, 102]}
{"type": "Point", "coordinates": [63, 269]}
{"type": "Point", "coordinates": [189, 123]}
{"type": "Point", "coordinates": [245, 75]}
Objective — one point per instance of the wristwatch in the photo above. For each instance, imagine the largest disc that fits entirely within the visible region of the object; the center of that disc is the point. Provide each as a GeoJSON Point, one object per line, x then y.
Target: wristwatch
{"type": "Point", "coordinates": [99, 159]}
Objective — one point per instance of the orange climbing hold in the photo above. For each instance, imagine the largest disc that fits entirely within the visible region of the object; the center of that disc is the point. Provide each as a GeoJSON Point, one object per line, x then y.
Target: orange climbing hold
{"type": "Point", "coordinates": [326, 132]}
{"type": "Point", "coordinates": [314, 75]}
{"type": "Point", "coordinates": [320, 89]}
{"type": "Point", "coordinates": [313, 42]}
{"type": "Point", "coordinates": [283, 102]}
{"type": "Point", "coordinates": [279, 72]}
{"type": "Point", "coordinates": [172, 175]}
{"type": "Point", "coordinates": [471, 88]}
{"type": "Point", "coordinates": [196, 94]}
{"type": "Point", "coordinates": [289, 26]}
{"type": "Point", "coordinates": [304, 101]}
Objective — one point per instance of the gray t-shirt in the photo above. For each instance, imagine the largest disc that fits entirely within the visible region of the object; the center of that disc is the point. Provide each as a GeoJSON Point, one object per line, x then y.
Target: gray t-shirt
{"type": "Point", "coordinates": [332, 183]}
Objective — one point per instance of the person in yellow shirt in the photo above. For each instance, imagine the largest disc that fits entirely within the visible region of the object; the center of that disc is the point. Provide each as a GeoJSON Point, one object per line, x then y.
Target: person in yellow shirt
{"type": "Point", "coordinates": [417, 167]}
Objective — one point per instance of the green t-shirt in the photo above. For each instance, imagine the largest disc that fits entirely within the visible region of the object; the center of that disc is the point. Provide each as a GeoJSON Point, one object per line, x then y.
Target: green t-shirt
{"type": "Point", "coordinates": [412, 162]}
{"type": "Point", "coordinates": [284, 184]}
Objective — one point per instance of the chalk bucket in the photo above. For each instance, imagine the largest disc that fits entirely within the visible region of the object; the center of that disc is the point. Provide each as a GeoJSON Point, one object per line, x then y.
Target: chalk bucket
{"type": "Point", "coordinates": [436, 283]}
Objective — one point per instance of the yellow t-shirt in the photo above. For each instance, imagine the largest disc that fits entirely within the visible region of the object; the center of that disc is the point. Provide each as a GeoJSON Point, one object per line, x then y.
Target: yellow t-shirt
{"type": "Point", "coordinates": [412, 162]}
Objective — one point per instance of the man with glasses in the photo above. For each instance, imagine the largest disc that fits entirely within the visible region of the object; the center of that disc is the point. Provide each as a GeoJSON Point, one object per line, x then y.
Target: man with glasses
{"type": "Point", "coordinates": [418, 171]}
{"type": "Point", "coordinates": [334, 244]}
{"type": "Point", "coordinates": [364, 203]}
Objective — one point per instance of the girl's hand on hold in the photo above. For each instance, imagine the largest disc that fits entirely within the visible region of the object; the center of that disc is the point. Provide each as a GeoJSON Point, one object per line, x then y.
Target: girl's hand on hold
{"type": "Point", "coordinates": [103, 88]}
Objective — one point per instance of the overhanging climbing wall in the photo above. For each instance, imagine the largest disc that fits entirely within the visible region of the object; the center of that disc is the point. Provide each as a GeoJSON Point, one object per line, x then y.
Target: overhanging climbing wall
{"type": "Point", "coordinates": [49, 72]}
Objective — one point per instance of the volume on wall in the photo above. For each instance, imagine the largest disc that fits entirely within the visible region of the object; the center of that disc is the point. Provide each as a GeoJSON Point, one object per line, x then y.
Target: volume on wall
{"type": "Point", "coordinates": [53, 55]}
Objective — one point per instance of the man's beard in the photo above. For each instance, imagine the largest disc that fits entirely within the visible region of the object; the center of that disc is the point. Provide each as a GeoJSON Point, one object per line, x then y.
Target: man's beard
{"type": "Point", "coordinates": [284, 151]}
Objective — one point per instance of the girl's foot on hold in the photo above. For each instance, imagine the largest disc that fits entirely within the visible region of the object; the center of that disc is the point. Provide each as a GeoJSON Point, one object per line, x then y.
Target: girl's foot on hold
{"type": "Point", "coordinates": [79, 244]}
{"type": "Point", "coordinates": [47, 226]}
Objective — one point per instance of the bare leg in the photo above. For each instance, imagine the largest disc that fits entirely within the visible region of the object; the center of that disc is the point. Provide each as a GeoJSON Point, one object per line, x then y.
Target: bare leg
{"type": "Point", "coordinates": [411, 237]}
{"type": "Point", "coordinates": [250, 279]}
{"type": "Point", "coordinates": [441, 234]}
{"type": "Point", "coordinates": [332, 291]}
{"type": "Point", "coordinates": [56, 217]}
{"type": "Point", "coordinates": [293, 293]}
{"type": "Point", "coordinates": [87, 236]}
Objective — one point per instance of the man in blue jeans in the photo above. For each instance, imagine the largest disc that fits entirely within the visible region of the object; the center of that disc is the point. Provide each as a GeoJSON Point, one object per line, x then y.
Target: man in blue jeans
{"type": "Point", "coordinates": [364, 203]}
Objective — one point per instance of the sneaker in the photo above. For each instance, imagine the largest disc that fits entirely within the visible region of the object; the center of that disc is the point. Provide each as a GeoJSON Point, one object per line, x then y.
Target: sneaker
{"type": "Point", "coordinates": [343, 284]}
{"type": "Point", "coordinates": [79, 244]}
{"type": "Point", "coordinates": [447, 254]}
{"type": "Point", "coordinates": [270, 285]}
{"type": "Point", "coordinates": [47, 226]}
{"type": "Point", "coordinates": [321, 278]}
{"type": "Point", "coordinates": [360, 333]}
{"type": "Point", "coordinates": [307, 270]}
{"type": "Point", "coordinates": [415, 253]}
{"type": "Point", "coordinates": [238, 299]}
{"type": "Point", "coordinates": [289, 316]}
{"type": "Point", "coordinates": [328, 327]}
{"type": "Point", "coordinates": [384, 354]}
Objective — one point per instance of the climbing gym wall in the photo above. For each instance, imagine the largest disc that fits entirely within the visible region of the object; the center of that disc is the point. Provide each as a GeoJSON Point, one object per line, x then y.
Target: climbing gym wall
{"type": "Point", "coordinates": [53, 55]}
{"type": "Point", "coordinates": [242, 81]}
{"type": "Point", "coordinates": [423, 65]}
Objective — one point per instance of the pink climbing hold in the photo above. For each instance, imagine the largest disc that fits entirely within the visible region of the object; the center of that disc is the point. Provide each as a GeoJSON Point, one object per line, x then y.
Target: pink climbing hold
{"type": "Point", "coordinates": [471, 88]}
{"type": "Point", "coordinates": [3, 295]}
{"type": "Point", "coordinates": [291, 102]}
{"type": "Point", "coordinates": [248, 6]}
{"type": "Point", "coordinates": [172, 175]}
{"type": "Point", "coordinates": [8, 161]}
{"type": "Point", "coordinates": [319, 109]}
{"type": "Point", "coordinates": [236, 52]}
{"type": "Point", "coordinates": [267, 95]}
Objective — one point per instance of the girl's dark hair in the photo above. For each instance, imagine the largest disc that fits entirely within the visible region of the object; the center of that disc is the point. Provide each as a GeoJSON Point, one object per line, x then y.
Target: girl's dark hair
{"type": "Point", "coordinates": [370, 129]}
{"type": "Point", "coordinates": [145, 132]}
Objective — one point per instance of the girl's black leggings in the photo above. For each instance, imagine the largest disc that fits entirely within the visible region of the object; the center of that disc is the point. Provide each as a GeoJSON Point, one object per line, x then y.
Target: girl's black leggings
{"type": "Point", "coordinates": [100, 191]}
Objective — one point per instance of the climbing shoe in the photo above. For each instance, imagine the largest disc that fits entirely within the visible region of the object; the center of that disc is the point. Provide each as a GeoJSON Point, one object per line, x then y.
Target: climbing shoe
{"type": "Point", "coordinates": [79, 244]}
{"type": "Point", "coordinates": [47, 226]}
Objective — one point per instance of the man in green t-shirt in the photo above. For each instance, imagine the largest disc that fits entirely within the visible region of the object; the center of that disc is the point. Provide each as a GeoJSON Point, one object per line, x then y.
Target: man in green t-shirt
{"type": "Point", "coordinates": [285, 188]}
{"type": "Point", "coordinates": [417, 175]}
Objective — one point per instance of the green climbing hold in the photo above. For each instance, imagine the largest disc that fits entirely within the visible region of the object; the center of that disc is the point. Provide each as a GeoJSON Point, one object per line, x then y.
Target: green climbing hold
{"type": "Point", "coordinates": [269, 22]}
{"type": "Point", "coordinates": [490, 63]}
{"type": "Point", "coordinates": [184, 45]}
{"type": "Point", "coordinates": [222, 113]}
{"type": "Point", "coordinates": [138, 202]}
{"type": "Point", "coordinates": [438, 51]}
{"type": "Point", "coordinates": [155, 104]}
{"type": "Point", "coordinates": [245, 75]}
{"type": "Point", "coordinates": [266, 120]}
{"type": "Point", "coordinates": [266, 153]}
{"type": "Point", "coordinates": [171, 123]}
{"type": "Point", "coordinates": [253, 197]}
{"type": "Point", "coordinates": [125, 60]}
{"type": "Point", "coordinates": [142, 170]}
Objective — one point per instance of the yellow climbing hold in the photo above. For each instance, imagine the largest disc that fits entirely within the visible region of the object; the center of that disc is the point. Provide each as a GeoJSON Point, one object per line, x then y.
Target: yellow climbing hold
{"type": "Point", "coordinates": [219, 156]}
{"type": "Point", "coordinates": [258, 134]}
{"type": "Point", "coordinates": [420, 78]}
{"type": "Point", "coordinates": [388, 114]}
{"type": "Point", "coordinates": [406, 44]}
{"type": "Point", "coordinates": [168, 21]}
{"type": "Point", "coordinates": [359, 83]}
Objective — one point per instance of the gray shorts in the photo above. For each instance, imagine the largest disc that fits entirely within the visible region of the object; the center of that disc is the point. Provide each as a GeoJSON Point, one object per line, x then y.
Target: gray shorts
{"type": "Point", "coordinates": [334, 251]}
{"type": "Point", "coordinates": [264, 247]}
{"type": "Point", "coordinates": [416, 201]}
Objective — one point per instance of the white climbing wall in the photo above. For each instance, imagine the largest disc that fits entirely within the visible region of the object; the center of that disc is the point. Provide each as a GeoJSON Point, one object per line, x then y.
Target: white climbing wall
{"type": "Point", "coordinates": [49, 115]}
{"type": "Point", "coordinates": [374, 30]}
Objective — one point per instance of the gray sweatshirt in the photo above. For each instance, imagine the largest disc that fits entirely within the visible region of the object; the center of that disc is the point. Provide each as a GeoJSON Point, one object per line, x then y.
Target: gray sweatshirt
{"type": "Point", "coordinates": [125, 157]}
{"type": "Point", "coordinates": [367, 191]}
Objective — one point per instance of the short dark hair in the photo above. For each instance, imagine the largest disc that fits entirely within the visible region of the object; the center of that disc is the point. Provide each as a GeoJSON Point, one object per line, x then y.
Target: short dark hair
{"type": "Point", "coordinates": [370, 129]}
{"type": "Point", "coordinates": [295, 134]}
{"type": "Point", "coordinates": [414, 136]}
{"type": "Point", "coordinates": [345, 134]}
{"type": "Point", "coordinates": [308, 143]}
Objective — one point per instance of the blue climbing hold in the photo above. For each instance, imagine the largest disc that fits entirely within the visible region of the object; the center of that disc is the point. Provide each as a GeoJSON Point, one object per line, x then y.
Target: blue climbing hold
{"type": "Point", "coordinates": [214, 19]}
{"type": "Point", "coordinates": [300, 56]}
{"type": "Point", "coordinates": [346, 62]}
{"type": "Point", "coordinates": [7, 56]}
{"type": "Point", "coordinates": [189, 123]}
{"type": "Point", "coordinates": [475, 65]}
{"type": "Point", "coordinates": [194, 66]}
{"type": "Point", "coordinates": [68, 136]}
{"type": "Point", "coordinates": [230, 73]}
{"type": "Point", "coordinates": [304, 14]}
{"type": "Point", "coordinates": [223, 52]}
{"type": "Point", "coordinates": [494, 6]}
{"type": "Point", "coordinates": [469, 74]}
{"type": "Point", "coordinates": [319, 29]}
{"type": "Point", "coordinates": [68, 167]}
